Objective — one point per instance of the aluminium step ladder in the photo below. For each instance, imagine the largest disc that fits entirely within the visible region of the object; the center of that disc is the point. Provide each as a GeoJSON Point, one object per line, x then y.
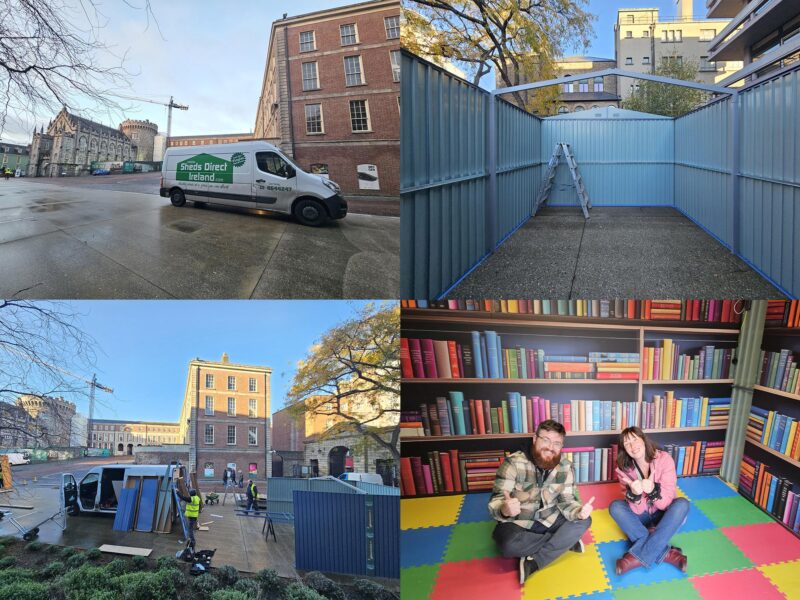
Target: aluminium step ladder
{"type": "Point", "coordinates": [577, 180]}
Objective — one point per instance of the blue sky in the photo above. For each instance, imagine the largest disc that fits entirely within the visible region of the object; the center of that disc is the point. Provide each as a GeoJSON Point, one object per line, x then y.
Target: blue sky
{"type": "Point", "coordinates": [209, 54]}
{"type": "Point", "coordinates": [144, 347]}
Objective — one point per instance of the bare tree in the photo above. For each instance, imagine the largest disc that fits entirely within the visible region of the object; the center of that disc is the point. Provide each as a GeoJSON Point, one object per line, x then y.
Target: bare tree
{"type": "Point", "coordinates": [40, 347]}
{"type": "Point", "coordinates": [51, 56]}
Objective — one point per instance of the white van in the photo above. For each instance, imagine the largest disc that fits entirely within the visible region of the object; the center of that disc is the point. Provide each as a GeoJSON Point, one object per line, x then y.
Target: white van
{"type": "Point", "coordinates": [18, 458]}
{"type": "Point", "coordinates": [99, 489]}
{"type": "Point", "coordinates": [365, 477]}
{"type": "Point", "coordinates": [251, 175]}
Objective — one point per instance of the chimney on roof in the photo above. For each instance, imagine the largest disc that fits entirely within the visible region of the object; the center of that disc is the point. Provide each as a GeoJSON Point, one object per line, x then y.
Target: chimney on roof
{"type": "Point", "coordinates": [225, 359]}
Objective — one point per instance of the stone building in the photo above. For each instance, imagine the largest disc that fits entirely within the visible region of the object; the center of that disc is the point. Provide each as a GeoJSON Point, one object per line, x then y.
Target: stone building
{"type": "Point", "coordinates": [331, 94]}
{"type": "Point", "coordinates": [52, 416]}
{"type": "Point", "coordinates": [17, 427]}
{"type": "Point", "coordinates": [225, 418]}
{"type": "Point", "coordinates": [142, 134]}
{"type": "Point", "coordinates": [120, 437]}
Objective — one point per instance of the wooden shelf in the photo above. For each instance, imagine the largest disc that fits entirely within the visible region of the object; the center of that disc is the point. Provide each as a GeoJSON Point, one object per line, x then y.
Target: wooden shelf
{"type": "Point", "coordinates": [518, 381]}
{"type": "Point", "coordinates": [684, 381]}
{"type": "Point", "coordinates": [563, 321]}
{"type": "Point", "coordinates": [500, 436]}
{"type": "Point", "coordinates": [782, 330]}
{"type": "Point", "coordinates": [783, 457]}
{"type": "Point", "coordinates": [770, 390]}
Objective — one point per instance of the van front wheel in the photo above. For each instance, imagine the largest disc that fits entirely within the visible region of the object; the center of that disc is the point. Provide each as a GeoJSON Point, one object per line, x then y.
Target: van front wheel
{"type": "Point", "coordinates": [310, 212]}
{"type": "Point", "coordinates": [177, 198]}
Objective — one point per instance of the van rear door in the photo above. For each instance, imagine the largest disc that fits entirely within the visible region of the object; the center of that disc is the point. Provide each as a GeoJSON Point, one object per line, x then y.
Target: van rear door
{"type": "Point", "coordinates": [69, 494]}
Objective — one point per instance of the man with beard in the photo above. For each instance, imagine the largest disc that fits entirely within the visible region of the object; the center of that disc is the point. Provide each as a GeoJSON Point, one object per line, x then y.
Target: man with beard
{"type": "Point", "coordinates": [534, 501]}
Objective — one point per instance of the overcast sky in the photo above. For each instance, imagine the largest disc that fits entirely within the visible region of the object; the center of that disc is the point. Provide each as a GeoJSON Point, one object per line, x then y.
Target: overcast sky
{"type": "Point", "coordinates": [209, 55]}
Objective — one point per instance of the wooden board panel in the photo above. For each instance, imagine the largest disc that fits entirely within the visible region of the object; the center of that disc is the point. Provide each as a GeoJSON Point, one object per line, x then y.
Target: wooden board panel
{"type": "Point", "coordinates": [127, 550]}
{"type": "Point", "coordinates": [5, 469]}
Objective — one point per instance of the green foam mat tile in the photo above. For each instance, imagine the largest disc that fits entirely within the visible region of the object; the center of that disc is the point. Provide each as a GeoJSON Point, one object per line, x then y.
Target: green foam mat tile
{"type": "Point", "coordinates": [471, 540]}
{"type": "Point", "coordinates": [710, 551]}
{"type": "Point", "coordinates": [731, 511]}
{"type": "Point", "coordinates": [417, 582]}
{"type": "Point", "coordinates": [663, 590]}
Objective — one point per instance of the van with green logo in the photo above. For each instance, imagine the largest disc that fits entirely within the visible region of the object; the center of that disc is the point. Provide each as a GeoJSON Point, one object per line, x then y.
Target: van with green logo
{"type": "Point", "coordinates": [249, 175]}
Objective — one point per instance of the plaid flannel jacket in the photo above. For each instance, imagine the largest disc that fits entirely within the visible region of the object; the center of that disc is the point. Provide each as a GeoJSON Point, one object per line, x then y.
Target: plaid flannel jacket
{"type": "Point", "coordinates": [517, 475]}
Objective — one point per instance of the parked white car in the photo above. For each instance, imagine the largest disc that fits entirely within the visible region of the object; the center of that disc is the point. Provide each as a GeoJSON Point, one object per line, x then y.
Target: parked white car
{"type": "Point", "coordinates": [366, 477]}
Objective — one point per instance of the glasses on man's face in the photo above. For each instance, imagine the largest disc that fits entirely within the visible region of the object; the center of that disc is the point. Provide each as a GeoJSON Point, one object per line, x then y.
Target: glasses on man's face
{"type": "Point", "coordinates": [548, 443]}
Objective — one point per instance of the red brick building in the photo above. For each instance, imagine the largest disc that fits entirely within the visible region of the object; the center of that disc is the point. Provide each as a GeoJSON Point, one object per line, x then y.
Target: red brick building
{"type": "Point", "coordinates": [225, 418]}
{"type": "Point", "coordinates": [331, 94]}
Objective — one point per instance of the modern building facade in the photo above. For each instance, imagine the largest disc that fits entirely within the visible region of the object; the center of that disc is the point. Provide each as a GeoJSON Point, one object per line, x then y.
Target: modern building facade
{"type": "Point", "coordinates": [15, 158]}
{"type": "Point", "coordinates": [595, 92]}
{"type": "Point", "coordinates": [765, 36]}
{"type": "Point", "coordinates": [225, 418]}
{"type": "Point", "coordinates": [72, 143]}
{"type": "Point", "coordinates": [214, 138]}
{"type": "Point", "coordinates": [643, 40]}
{"type": "Point", "coordinates": [331, 94]}
{"type": "Point", "coordinates": [120, 437]}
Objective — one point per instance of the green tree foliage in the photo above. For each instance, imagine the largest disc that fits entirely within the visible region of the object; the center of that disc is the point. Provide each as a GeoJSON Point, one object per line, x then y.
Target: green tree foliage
{"type": "Point", "coordinates": [352, 374]}
{"type": "Point", "coordinates": [520, 39]}
{"type": "Point", "coordinates": [667, 99]}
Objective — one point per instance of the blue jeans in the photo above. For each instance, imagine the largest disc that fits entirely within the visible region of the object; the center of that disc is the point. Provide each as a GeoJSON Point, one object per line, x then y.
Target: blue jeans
{"type": "Point", "coordinates": [650, 548]}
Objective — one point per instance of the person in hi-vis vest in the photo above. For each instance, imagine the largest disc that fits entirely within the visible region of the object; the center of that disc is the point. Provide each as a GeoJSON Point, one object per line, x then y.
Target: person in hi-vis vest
{"type": "Point", "coordinates": [192, 512]}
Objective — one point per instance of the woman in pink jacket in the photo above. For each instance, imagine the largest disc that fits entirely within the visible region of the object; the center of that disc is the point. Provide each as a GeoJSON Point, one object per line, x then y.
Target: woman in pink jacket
{"type": "Point", "coordinates": [650, 514]}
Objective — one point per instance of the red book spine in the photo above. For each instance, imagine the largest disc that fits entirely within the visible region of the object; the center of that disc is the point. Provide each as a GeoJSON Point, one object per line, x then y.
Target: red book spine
{"type": "Point", "coordinates": [429, 358]}
{"type": "Point", "coordinates": [617, 376]}
{"type": "Point", "coordinates": [567, 417]}
{"type": "Point", "coordinates": [500, 420]}
{"type": "Point", "coordinates": [472, 416]}
{"type": "Point", "coordinates": [542, 415]}
{"type": "Point", "coordinates": [479, 417]}
{"type": "Point", "coordinates": [416, 358]}
{"type": "Point", "coordinates": [454, 468]}
{"type": "Point", "coordinates": [407, 477]}
{"type": "Point", "coordinates": [405, 359]}
{"type": "Point", "coordinates": [454, 370]}
{"type": "Point", "coordinates": [447, 473]}
{"type": "Point", "coordinates": [529, 412]}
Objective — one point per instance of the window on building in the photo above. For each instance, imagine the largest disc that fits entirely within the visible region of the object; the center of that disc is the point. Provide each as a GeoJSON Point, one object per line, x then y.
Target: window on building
{"type": "Point", "coordinates": [353, 71]}
{"type": "Point", "coordinates": [231, 435]}
{"type": "Point", "coordinates": [392, 25]}
{"type": "Point", "coordinates": [349, 34]}
{"type": "Point", "coordinates": [598, 84]}
{"type": "Point", "coordinates": [231, 383]}
{"type": "Point", "coordinates": [678, 35]}
{"type": "Point", "coordinates": [629, 60]}
{"type": "Point", "coordinates": [646, 33]}
{"type": "Point", "coordinates": [583, 86]}
{"type": "Point", "coordinates": [252, 436]}
{"type": "Point", "coordinates": [629, 18]}
{"type": "Point", "coordinates": [664, 36]}
{"type": "Point", "coordinates": [562, 110]}
{"type": "Point", "coordinates": [706, 35]}
{"type": "Point", "coordinates": [313, 125]}
{"type": "Point", "coordinates": [251, 384]}
{"type": "Point", "coordinates": [209, 382]}
{"type": "Point", "coordinates": [645, 60]}
{"type": "Point", "coordinates": [567, 86]}
{"type": "Point", "coordinates": [209, 434]}
{"type": "Point", "coordinates": [307, 41]}
{"type": "Point", "coordinates": [231, 407]}
{"type": "Point", "coordinates": [252, 409]}
{"type": "Point", "coordinates": [628, 34]}
{"type": "Point", "coordinates": [359, 115]}
{"type": "Point", "coordinates": [707, 65]}
{"type": "Point", "coordinates": [210, 406]}
{"type": "Point", "coordinates": [394, 58]}
{"type": "Point", "coordinates": [310, 79]}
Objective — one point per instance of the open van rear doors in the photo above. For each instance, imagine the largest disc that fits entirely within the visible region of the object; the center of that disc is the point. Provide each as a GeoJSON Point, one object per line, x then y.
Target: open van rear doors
{"type": "Point", "coordinates": [69, 494]}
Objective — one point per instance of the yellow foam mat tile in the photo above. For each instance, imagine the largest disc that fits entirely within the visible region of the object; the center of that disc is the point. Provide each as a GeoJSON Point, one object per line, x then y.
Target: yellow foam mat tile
{"type": "Point", "coordinates": [429, 512]}
{"type": "Point", "coordinates": [679, 492]}
{"type": "Point", "coordinates": [570, 574]}
{"type": "Point", "coordinates": [604, 528]}
{"type": "Point", "coordinates": [784, 576]}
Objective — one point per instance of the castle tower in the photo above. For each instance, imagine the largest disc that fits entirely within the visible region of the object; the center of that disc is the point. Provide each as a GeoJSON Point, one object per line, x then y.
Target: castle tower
{"type": "Point", "coordinates": [142, 134]}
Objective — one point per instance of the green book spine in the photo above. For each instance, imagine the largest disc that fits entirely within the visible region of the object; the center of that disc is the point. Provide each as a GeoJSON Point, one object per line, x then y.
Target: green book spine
{"type": "Point", "coordinates": [457, 402]}
{"type": "Point", "coordinates": [715, 364]}
{"type": "Point", "coordinates": [512, 364]}
{"type": "Point", "coordinates": [773, 369]}
{"type": "Point", "coordinates": [506, 422]}
{"type": "Point", "coordinates": [495, 422]}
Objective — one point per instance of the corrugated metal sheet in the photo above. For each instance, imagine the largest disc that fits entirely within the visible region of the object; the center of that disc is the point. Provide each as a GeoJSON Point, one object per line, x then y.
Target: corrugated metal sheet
{"type": "Point", "coordinates": [442, 178]}
{"type": "Point", "coordinates": [279, 493]}
{"type": "Point", "coordinates": [376, 489]}
{"type": "Point", "coordinates": [330, 532]}
{"type": "Point", "coordinates": [387, 536]}
{"type": "Point", "coordinates": [770, 179]}
{"type": "Point", "coordinates": [703, 186]}
{"type": "Point", "coordinates": [622, 161]}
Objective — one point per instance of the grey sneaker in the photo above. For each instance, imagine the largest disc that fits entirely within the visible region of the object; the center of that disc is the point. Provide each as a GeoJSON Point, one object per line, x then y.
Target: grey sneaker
{"type": "Point", "coordinates": [527, 567]}
{"type": "Point", "coordinates": [578, 547]}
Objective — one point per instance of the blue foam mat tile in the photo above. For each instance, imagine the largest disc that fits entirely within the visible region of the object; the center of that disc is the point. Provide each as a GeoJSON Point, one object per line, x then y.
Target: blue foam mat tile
{"type": "Point", "coordinates": [475, 508]}
{"type": "Point", "coordinates": [607, 595]}
{"type": "Point", "coordinates": [704, 488]}
{"type": "Point", "coordinates": [611, 551]}
{"type": "Point", "coordinates": [425, 546]}
{"type": "Point", "coordinates": [696, 520]}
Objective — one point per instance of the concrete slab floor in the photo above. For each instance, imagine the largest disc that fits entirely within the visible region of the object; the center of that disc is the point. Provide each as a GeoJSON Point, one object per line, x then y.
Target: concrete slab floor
{"type": "Point", "coordinates": [238, 540]}
{"type": "Point", "coordinates": [618, 253]}
{"type": "Point", "coordinates": [75, 242]}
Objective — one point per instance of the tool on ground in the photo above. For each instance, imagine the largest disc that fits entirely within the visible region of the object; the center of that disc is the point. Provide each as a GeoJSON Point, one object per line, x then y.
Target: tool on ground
{"type": "Point", "coordinates": [550, 174]}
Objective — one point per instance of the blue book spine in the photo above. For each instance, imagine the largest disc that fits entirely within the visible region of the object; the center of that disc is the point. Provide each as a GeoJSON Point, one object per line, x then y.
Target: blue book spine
{"type": "Point", "coordinates": [786, 430]}
{"type": "Point", "coordinates": [485, 357]}
{"type": "Point", "coordinates": [540, 363]}
{"type": "Point", "coordinates": [684, 403]}
{"type": "Point", "coordinates": [467, 418]}
{"type": "Point", "coordinates": [773, 485]}
{"type": "Point", "coordinates": [595, 415]}
{"type": "Point", "coordinates": [777, 431]}
{"type": "Point", "coordinates": [576, 466]}
{"type": "Point", "coordinates": [691, 419]}
{"type": "Point", "coordinates": [753, 409]}
{"type": "Point", "coordinates": [491, 348]}
{"type": "Point", "coordinates": [584, 466]}
{"type": "Point", "coordinates": [513, 409]}
{"type": "Point", "coordinates": [500, 356]}
{"type": "Point", "coordinates": [477, 354]}
{"type": "Point", "coordinates": [607, 415]}
{"type": "Point", "coordinates": [523, 360]}
{"type": "Point", "coordinates": [598, 462]}
{"type": "Point", "coordinates": [457, 411]}
{"type": "Point", "coordinates": [565, 358]}
{"type": "Point", "coordinates": [709, 361]}
{"type": "Point", "coordinates": [681, 457]}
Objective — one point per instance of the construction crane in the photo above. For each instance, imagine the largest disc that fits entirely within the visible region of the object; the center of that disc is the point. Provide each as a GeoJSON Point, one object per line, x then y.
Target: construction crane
{"type": "Point", "coordinates": [170, 105]}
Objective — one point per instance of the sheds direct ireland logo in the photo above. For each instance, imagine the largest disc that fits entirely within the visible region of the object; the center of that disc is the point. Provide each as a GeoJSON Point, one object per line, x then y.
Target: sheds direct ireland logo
{"type": "Point", "coordinates": [209, 168]}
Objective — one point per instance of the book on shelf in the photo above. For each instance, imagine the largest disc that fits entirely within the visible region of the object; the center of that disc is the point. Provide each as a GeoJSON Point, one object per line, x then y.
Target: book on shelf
{"type": "Point", "coordinates": [449, 471]}
{"type": "Point", "coordinates": [484, 356]}
{"type": "Point", "coordinates": [456, 414]}
{"type": "Point", "coordinates": [698, 458]}
{"type": "Point", "coordinates": [774, 430]}
{"type": "Point", "coordinates": [778, 496]}
{"type": "Point", "coordinates": [783, 313]}
{"type": "Point", "coordinates": [707, 311]}
{"type": "Point", "coordinates": [779, 371]}
{"type": "Point", "coordinates": [665, 362]}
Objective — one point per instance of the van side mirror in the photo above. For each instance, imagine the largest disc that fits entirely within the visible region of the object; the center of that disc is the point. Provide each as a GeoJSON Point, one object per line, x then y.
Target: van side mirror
{"type": "Point", "coordinates": [289, 172]}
